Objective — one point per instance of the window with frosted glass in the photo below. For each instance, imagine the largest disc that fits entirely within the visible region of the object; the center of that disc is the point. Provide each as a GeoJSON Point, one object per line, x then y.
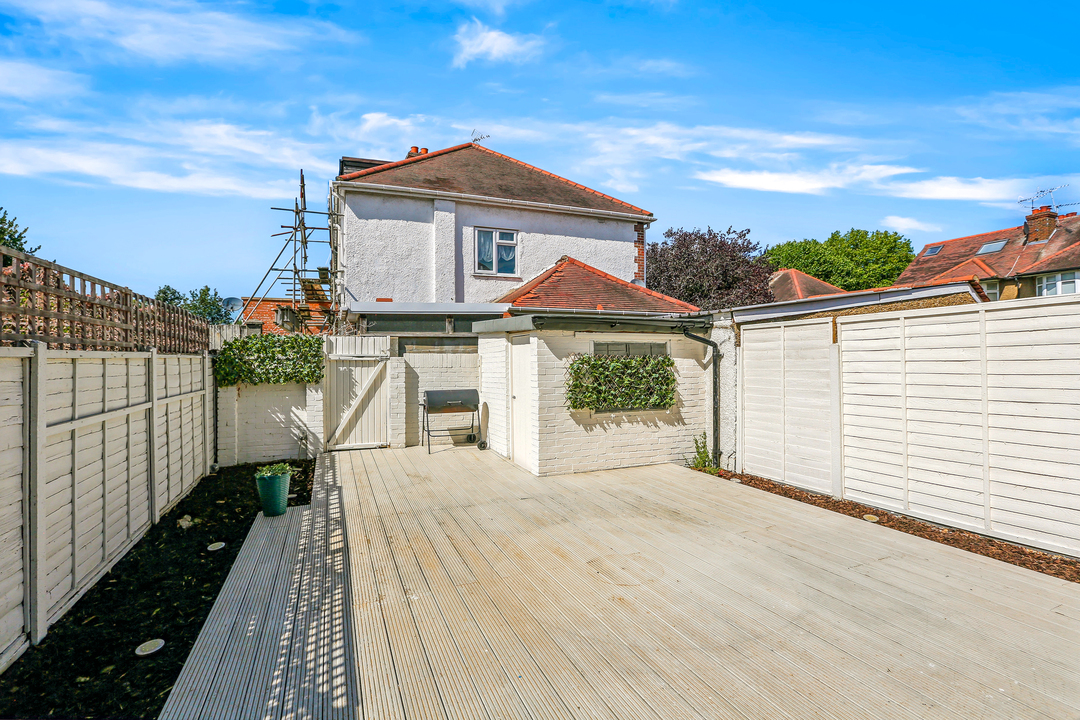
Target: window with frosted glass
{"type": "Point", "coordinates": [496, 252]}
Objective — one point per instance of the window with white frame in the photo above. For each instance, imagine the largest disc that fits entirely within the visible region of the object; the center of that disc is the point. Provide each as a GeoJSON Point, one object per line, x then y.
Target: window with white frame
{"type": "Point", "coordinates": [496, 252]}
{"type": "Point", "coordinates": [629, 349]}
{"type": "Point", "coordinates": [992, 288]}
{"type": "Point", "coordinates": [1057, 284]}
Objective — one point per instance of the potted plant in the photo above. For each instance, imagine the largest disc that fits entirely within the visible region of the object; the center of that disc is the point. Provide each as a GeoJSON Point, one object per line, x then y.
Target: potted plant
{"type": "Point", "coordinates": [273, 482]}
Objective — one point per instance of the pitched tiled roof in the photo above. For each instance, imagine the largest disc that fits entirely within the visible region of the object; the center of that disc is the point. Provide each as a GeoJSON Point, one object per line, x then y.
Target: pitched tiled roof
{"type": "Point", "coordinates": [958, 258]}
{"type": "Point", "coordinates": [473, 169]}
{"type": "Point", "coordinates": [572, 285]}
{"type": "Point", "coordinates": [791, 284]}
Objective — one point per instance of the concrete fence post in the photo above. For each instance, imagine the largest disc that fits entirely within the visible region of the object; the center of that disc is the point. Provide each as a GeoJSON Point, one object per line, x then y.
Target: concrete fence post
{"type": "Point", "coordinates": [36, 591]}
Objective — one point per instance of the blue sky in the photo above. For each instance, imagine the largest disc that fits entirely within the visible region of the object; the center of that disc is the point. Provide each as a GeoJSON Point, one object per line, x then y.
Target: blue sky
{"type": "Point", "coordinates": [145, 142]}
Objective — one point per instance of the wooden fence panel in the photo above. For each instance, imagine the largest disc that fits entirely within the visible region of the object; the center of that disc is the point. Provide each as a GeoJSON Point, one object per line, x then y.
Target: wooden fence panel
{"type": "Point", "coordinates": [94, 446]}
{"type": "Point", "coordinates": [14, 366]}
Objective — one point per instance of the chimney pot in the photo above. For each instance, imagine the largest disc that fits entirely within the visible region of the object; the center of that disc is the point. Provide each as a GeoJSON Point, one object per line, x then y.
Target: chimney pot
{"type": "Point", "coordinates": [423, 151]}
{"type": "Point", "coordinates": [413, 152]}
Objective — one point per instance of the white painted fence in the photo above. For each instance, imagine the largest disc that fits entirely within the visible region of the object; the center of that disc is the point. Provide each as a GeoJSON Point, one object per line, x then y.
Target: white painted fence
{"type": "Point", "coordinates": [94, 448]}
{"type": "Point", "coordinates": [967, 416]}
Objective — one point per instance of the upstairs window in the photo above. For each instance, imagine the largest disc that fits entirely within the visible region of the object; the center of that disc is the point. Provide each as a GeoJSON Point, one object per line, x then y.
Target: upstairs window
{"type": "Point", "coordinates": [496, 252]}
{"type": "Point", "coordinates": [991, 247]}
{"type": "Point", "coordinates": [1059, 284]}
{"type": "Point", "coordinates": [933, 250]}
{"type": "Point", "coordinates": [629, 349]}
{"type": "Point", "coordinates": [992, 289]}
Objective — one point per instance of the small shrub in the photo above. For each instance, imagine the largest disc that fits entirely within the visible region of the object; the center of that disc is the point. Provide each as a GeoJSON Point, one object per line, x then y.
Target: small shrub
{"type": "Point", "coordinates": [270, 359]}
{"type": "Point", "coordinates": [607, 382]}
{"type": "Point", "coordinates": [703, 459]}
{"type": "Point", "coordinates": [275, 469]}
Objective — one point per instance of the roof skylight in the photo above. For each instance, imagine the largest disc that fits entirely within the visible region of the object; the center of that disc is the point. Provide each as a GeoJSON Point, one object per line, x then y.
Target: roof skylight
{"type": "Point", "coordinates": [991, 247]}
{"type": "Point", "coordinates": [933, 250]}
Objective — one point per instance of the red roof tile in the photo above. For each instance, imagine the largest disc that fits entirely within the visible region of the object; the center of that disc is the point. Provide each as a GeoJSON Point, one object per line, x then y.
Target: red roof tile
{"type": "Point", "coordinates": [572, 285]}
{"type": "Point", "coordinates": [473, 169]}
{"type": "Point", "coordinates": [958, 258]}
{"type": "Point", "coordinates": [792, 284]}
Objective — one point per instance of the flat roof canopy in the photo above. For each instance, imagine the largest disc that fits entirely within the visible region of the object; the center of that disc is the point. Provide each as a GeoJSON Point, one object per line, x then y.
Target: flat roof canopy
{"type": "Point", "coordinates": [592, 323]}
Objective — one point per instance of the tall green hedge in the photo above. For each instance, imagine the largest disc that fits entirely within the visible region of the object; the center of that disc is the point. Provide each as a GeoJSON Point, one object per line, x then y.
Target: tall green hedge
{"type": "Point", "coordinates": [604, 382]}
{"type": "Point", "coordinates": [270, 359]}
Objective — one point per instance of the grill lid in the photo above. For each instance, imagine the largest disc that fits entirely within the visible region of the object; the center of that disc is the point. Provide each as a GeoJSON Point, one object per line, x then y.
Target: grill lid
{"type": "Point", "coordinates": [451, 401]}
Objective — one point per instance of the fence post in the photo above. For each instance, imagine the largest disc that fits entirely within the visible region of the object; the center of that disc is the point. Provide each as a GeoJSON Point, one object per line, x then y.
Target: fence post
{"type": "Point", "coordinates": [35, 498]}
{"type": "Point", "coordinates": [206, 399]}
{"type": "Point", "coordinates": [151, 435]}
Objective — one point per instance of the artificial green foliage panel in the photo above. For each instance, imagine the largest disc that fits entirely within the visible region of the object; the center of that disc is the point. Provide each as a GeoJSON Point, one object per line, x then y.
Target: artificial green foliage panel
{"type": "Point", "coordinates": [270, 359]}
{"type": "Point", "coordinates": [603, 383]}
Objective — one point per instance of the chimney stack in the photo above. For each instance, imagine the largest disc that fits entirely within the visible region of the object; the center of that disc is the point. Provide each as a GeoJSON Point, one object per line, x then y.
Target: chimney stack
{"type": "Point", "coordinates": [413, 152]}
{"type": "Point", "coordinates": [1040, 225]}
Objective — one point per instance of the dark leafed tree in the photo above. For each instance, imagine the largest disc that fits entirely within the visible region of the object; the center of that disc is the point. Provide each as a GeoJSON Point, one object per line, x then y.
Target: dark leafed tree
{"type": "Point", "coordinates": [855, 260]}
{"type": "Point", "coordinates": [204, 303]}
{"type": "Point", "coordinates": [12, 236]}
{"type": "Point", "coordinates": [709, 269]}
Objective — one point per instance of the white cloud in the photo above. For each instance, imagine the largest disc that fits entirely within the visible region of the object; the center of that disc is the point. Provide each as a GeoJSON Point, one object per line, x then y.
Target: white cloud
{"type": "Point", "coordinates": [130, 166]}
{"type": "Point", "coordinates": [955, 188]}
{"type": "Point", "coordinates": [905, 224]}
{"type": "Point", "coordinates": [169, 30]}
{"type": "Point", "coordinates": [26, 81]}
{"type": "Point", "coordinates": [813, 182]}
{"type": "Point", "coordinates": [477, 41]}
{"type": "Point", "coordinates": [663, 66]}
{"type": "Point", "coordinates": [1029, 113]}
{"type": "Point", "coordinates": [650, 100]}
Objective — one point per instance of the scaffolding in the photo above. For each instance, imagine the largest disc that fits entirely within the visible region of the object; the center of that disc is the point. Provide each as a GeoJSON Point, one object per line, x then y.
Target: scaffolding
{"type": "Point", "coordinates": [312, 293]}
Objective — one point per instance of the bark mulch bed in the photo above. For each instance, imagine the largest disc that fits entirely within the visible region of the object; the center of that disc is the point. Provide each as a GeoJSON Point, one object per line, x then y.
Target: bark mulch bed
{"type": "Point", "coordinates": [1038, 560]}
{"type": "Point", "coordinates": [163, 588]}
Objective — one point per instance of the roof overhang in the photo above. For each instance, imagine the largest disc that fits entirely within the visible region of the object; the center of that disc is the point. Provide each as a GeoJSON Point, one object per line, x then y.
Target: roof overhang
{"type": "Point", "coordinates": [349, 186]}
{"type": "Point", "coordinates": [841, 301]}
{"type": "Point", "coordinates": [415, 308]}
{"type": "Point", "coordinates": [595, 322]}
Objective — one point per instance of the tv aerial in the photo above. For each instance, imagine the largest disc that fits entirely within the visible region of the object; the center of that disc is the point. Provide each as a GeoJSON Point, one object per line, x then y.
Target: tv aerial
{"type": "Point", "coordinates": [477, 137]}
{"type": "Point", "coordinates": [1040, 194]}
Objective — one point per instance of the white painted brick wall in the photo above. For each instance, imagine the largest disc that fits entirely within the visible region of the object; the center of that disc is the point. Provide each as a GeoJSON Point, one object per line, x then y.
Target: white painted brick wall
{"type": "Point", "coordinates": [395, 370]}
{"type": "Point", "coordinates": [261, 423]}
{"type": "Point", "coordinates": [724, 335]}
{"type": "Point", "coordinates": [437, 371]}
{"type": "Point", "coordinates": [493, 394]}
{"type": "Point", "coordinates": [579, 441]}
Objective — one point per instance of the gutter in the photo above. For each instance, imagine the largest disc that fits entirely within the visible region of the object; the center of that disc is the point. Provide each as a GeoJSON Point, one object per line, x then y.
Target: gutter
{"type": "Point", "coordinates": [717, 356]}
{"type": "Point", "coordinates": [485, 200]}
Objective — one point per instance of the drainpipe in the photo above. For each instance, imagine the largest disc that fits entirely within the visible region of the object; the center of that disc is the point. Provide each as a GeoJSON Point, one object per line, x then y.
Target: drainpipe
{"type": "Point", "coordinates": [717, 356]}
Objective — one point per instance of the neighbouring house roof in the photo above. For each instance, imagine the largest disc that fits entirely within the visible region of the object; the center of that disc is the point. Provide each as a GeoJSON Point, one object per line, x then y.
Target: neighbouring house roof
{"type": "Point", "coordinates": [958, 259]}
{"type": "Point", "coordinates": [791, 284]}
{"type": "Point", "coordinates": [572, 285]}
{"type": "Point", "coordinates": [263, 312]}
{"type": "Point", "coordinates": [473, 169]}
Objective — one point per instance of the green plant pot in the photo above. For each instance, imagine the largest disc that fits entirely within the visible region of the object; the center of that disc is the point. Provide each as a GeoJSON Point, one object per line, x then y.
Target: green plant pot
{"type": "Point", "coordinates": [274, 494]}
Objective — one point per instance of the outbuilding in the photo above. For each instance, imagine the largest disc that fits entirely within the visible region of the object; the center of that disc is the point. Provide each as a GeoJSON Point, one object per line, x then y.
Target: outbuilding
{"type": "Point", "coordinates": [587, 372]}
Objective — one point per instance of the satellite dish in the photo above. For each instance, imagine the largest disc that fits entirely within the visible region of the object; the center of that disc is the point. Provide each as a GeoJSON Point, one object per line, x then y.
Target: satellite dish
{"type": "Point", "coordinates": [233, 304]}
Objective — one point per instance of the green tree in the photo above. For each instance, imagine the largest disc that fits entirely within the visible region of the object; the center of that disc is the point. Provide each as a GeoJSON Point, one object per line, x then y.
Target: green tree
{"type": "Point", "coordinates": [710, 269]}
{"type": "Point", "coordinates": [12, 236]}
{"type": "Point", "coordinates": [204, 303]}
{"type": "Point", "coordinates": [855, 260]}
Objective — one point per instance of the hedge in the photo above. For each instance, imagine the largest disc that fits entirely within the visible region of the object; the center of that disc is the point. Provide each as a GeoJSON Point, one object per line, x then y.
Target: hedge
{"type": "Point", "coordinates": [270, 359]}
{"type": "Point", "coordinates": [604, 382]}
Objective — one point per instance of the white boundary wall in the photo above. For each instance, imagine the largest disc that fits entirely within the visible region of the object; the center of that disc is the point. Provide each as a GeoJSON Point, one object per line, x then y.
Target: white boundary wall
{"type": "Point", "coordinates": [96, 446]}
{"type": "Point", "coordinates": [967, 416]}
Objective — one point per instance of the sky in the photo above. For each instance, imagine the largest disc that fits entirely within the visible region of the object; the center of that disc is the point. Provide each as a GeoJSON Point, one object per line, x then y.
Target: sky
{"type": "Point", "coordinates": [145, 142]}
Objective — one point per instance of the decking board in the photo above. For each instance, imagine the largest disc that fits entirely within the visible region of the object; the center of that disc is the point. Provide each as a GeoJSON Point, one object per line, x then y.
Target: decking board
{"type": "Point", "coordinates": [456, 585]}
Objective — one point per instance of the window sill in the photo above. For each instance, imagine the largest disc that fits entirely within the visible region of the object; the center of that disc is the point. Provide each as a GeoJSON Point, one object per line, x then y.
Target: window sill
{"type": "Point", "coordinates": [496, 276]}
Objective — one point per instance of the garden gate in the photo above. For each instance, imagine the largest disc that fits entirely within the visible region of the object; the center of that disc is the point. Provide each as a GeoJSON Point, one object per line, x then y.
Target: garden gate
{"type": "Point", "coordinates": [357, 392]}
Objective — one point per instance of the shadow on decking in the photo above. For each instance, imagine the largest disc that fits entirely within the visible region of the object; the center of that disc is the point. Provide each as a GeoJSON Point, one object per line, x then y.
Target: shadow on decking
{"type": "Point", "coordinates": [278, 641]}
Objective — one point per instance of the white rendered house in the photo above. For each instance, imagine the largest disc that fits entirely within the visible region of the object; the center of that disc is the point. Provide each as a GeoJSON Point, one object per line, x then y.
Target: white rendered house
{"type": "Point", "coordinates": [467, 225]}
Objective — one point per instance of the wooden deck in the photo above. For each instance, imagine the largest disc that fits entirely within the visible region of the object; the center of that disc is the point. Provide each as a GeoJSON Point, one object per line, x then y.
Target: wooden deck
{"type": "Point", "coordinates": [476, 590]}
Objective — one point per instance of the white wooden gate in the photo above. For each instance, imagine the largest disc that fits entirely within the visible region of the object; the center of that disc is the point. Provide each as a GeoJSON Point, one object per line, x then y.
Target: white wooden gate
{"type": "Point", "coordinates": [356, 398]}
{"type": "Point", "coordinates": [788, 381]}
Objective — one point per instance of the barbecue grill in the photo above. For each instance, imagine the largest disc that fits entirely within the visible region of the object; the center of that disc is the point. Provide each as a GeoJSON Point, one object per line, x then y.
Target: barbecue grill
{"type": "Point", "coordinates": [440, 402]}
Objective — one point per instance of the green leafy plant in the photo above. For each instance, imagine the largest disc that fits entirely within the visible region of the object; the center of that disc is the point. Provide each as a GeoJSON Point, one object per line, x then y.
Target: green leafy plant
{"type": "Point", "coordinates": [275, 469]}
{"type": "Point", "coordinates": [703, 459]}
{"type": "Point", "coordinates": [270, 359]}
{"type": "Point", "coordinates": [604, 382]}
